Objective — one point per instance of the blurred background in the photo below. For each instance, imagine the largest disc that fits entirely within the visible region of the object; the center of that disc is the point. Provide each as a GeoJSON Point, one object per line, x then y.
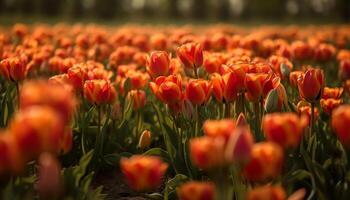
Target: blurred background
{"type": "Point", "coordinates": [177, 11]}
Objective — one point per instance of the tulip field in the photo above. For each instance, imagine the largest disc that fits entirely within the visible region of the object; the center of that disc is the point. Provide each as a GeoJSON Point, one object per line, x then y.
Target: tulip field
{"type": "Point", "coordinates": [212, 112]}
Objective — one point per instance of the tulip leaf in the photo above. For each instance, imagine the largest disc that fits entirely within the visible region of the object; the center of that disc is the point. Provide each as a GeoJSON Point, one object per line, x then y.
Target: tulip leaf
{"type": "Point", "coordinates": [172, 184]}
{"type": "Point", "coordinates": [158, 152]}
{"type": "Point", "coordinates": [271, 103]}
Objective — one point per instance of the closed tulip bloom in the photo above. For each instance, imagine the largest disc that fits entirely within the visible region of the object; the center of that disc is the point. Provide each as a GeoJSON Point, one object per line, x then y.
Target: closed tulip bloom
{"type": "Point", "coordinates": [332, 93]}
{"type": "Point", "coordinates": [191, 55]}
{"type": "Point", "coordinates": [145, 139]}
{"type": "Point", "coordinates": [311, 84]}
{"type": "Point", "coordinates": [50, 183]}
{"type": "Point", "coordinates": [138, 97]}
{"type": "Point", "coordinates": [37, 129]}
{"type": "Point", "coordinates": [340, 123]}
{"type": "Point", "coordinates": [14, 68]}
{"type": "Point", "coordinates": [285, 129]}
{"type": "Point", "coordinates": [212, 64]}
{"type": "Point", "coordinates": [225, 88]}
{"type": "Point", "coordinates": [255, 86]}
{"type": "Point", "coordinates": [344, 69]}
{"type": "Point", "coordinates": [267, 193]}
{"type": "Point", "coordinates": [219, 128]}
{"type": "Point", "coordinates": [77, 76]}
{"type": "Point", "coordinates": [239, 146]}
{"type": "Point", "coordinates": [241, 120]}
{"type": "Point", "coordinates": [58, 97]}
{"type": "Point", "coordinates": [11, 160]}
{"type": "Point", "coordinates": [301, 50]}
{"type": "Point", "coordinates": [198, 91]}
{"type": "Point", "coordinates": [99, 92]}
{"type": "Point", "coordinates": [168, 89]}
{"type": "Point", "coordinates": [195, 190]}
{"type": "Point", "coordinates": [158, 64]}
{"type": "Point", "coordinates": [328, 105]}
{"type": "Point", "coordinates": [208, 152]}
{"type": "Point", "coordinates": [293, 78]}
{"type": "Point", "coordinates": [143, 173]}
{"type": "Point", "coordinates": [262, 153]}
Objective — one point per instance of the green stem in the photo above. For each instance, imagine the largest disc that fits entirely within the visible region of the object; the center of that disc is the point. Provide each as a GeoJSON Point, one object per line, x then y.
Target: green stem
{"type": "Point", "coordinates": [312, 119]}
{"type": "Point", "coordinates": [228, 110]}
{"type": "Point", "coordinates": [17, 93]}
{"type": "Point", "coordinates": [196, 129]}
{"type": "Point", "coordinates": [195, 71]}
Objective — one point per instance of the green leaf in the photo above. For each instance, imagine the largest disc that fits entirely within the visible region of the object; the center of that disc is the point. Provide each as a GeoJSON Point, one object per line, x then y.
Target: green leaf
{"type": "Point", "coordinates": [80, 170]}
{"type": "Point", "coordinates": [158, 152]}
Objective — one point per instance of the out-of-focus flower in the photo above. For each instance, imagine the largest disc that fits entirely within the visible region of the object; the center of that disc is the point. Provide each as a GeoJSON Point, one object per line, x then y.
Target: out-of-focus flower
{"type": "Point", "coordinates": [293, 78]}
{"type": "Point", "coordinates": [344, 69]}
{"type": "Point", "coordinates": [324, 52]}
{"type": "Point", "coordinates": [195, 190]}
{"type": "Point", "coordinates": [332, 93]}
{"type": "Point", "coordinates": [77, 76]}
{"type": "Point", "coordinates": [158, 64]}
{"type": "Point", "coordinates": [138, 97]}
{"type": "Point", "coordinates": [143, 172]}
{"type": "Point", "coordinates": [20, 30]}
{"type": "Point", "coordinates": [304, 108]}
{"type": "Point", "coordinates": [198, 91]}
{"type": "Point", "coordinates": [37, 129]}
{"type": "Point", "coordinates": [239, 146]}
{"type": "Point", "coordinates": [159, 42]}
{"type": "Point", "coordinates": [191, 55]}
{"type": "Point", "coordinates": [99, 92]}
{"type": "Point", "coordinates": [14, 68]}
{"type": "Point", "coordinates": [145, 139]}
{"type": "Point", "coordinates": [11, 160]}
{"type": "Point", "coordinates": [301, 50]}
{"type": "Point", "coordinates": [328, 105]}
{"type": "Point", "coordinates": [340, 123]}
{"type": "Point", "coordinates": [277, 63]}
{"type": "Point", "coordinates": [208, 152]}
{"type": "Point", "coordinates": [262, 153]}
{"type": "Point", "coordinates": [212, 64]}
{"type": "Point", "coordinates": [219, 128]}
{"type": "Point", "coordinates": [58, 97]}
{"type": "Point", "coordinates": [311, 84]}
{"type": "Point", "coordinates": [50, 184]}
{"type": "Point", "coordinates": [267, 193]}
{"type": "Point", "coordinates": [285, 129]}
{"type": "Point", "coordinates": [241, 120]}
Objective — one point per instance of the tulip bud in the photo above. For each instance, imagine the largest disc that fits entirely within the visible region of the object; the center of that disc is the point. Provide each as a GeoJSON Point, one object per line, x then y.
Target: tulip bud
{"type": "Point", "coordinates": [158, 64]}
{"type": "Point", "coordinates": [145, 139]}
{"type": "Point", "coordinates": [143, 172]}
{"type": "Point", "coordinates": [241, 120]}
{"type": "Point", "coordinates": [99, 92]}
{"type": "Point", "coordinates": [191, 55]}
{"type": "Point", "coordinates": [49, 177]}
{"type": "Point", "coordinates": [340, 123]}
{"type": "Point", "coordinates": [239, 147]}
{"type": "Point", "coordinates": [195, 190]}
{"type": "Point", "coordinates": [262, 153]}
{"type": "Point", "coordinates": [311, 84]}
{"type": "Point", "coordinates": [267, 193]}
{"type": "Point", "coordinates": [198, 92]}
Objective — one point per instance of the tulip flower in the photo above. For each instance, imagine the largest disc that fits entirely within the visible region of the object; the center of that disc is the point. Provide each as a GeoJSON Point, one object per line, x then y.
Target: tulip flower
{"type": "Point", "coordinates": [328, 105]}
{"type": "Point", "coordinates": [301, 50]}
{"type": "Point", "coordinates": [329, 93]}
{"type": "Point", "coordinates": [262, 153]}
{"type": "Point", "coordinates": [285, 129]}
{"type": "Point", "coordinates": [158, 64]}
{"type": "Point", "coordinates": [225, 88]}
{"type": "Point", "coordinates": [267, 193]}
{"type": "Point", "coordinates": [198, 91]}
{"type": "Point", "coordinates": [11, 160]}
{"type": "Point", "coordinates": [138, 97]}
{"type": "Point", "coordinates": [168, 89]}
{"type": "Point", "coordinates": [208, 152]}
{"type": "Point", "coordinates": [255, 86]}
{"type": "Point", "coordinates": [77, 76]}
{"type": "Point", "coordinates": [241, 120]}
{"type": "Point", "coordinates": [219, 128]}
{"type": "Point", "coordinates": [293, 78]}
{"type": "Point", "coordinates": [30, 134]}
{"type": "Point", "coordinates": [277, 63]}
{"type": "Point", "coordinates": [212, 64]}
{"type": "Point", "coordinates": [14, 69]}
{"type": "Point", "coordinates": [50, 183]}
{"type": "Point", "coordinates": [344, 69]}
{"type": "Point", "coordinates": [304, 108]}
{"type": "Point", "coordinates": [145, 139]}
{"type": "Point", "coordinates": [143, 172]}
{"type": "Point", "coordinates": [239, 147]}
{"type": "Point", "coordinates": [195, 190]}
{"type": "Point", "coordinates": [340, 123]}
{"type": "Point", "coordinates": [311, 84]}
{"type": "Point", "coordinates": [191, 55]}
{"type": "Point", "coordinates": [99, 92]}
{"type": "Point", "coordinates": [324, 52]}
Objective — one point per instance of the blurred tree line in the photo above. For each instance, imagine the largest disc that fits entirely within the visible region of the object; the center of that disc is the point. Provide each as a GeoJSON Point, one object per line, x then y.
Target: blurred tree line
{"type": "Point", "coordinates": [177, 9]}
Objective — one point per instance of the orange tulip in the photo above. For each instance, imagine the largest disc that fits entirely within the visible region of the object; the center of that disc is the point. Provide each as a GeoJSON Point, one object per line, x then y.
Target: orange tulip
{"type": "Point", "coordinates": [168, 89]}
{"type": "Point", "coordinates": [324, 52]}
{"type": "Point", "coordinates": [219, 128]}
{"type": "Point", "coordinates": [138, 97]}
{"type": "Point", "coordinates": [239, 146]}
{"type": "Point", "coordinates": [77, 76]}
{"type": "Point", "coordinates": [143, 172]}
{"type": "Point", "coordinates": [255, 86]}
{"type": "Point", "coordinates": [293, 78]}
{"type": "Point", "coordinates": [99, 92]}
{"type": "Point", "coordinates": [58, 97]}
{"type": "Point", "coordinates": [334, 93]}
{"type": "Point", "coordinates": [191, 55]}
{"type": "Point", "coordinates": [262, 153]}
{"type": "Point", "coordinates": [14, 69]}
{"type": "Point", "coordinates": [344, 69]}
{"type": "Point", "coordinates": [195, 190]}
{"type": "Point", "coordinates": [145, 139]}
{"type": "Point", "coordinates": [311, 84]}
{"type": "Point", "coordinates": [158, 64]}
{"type": "Point", "coordinates": [11, 160]}
{"type": "Point", "coordinates": [241, 120]}
{"type": "Point", "coordinates": [301, 50]}
{"type": "Point", "coordinates": [226, 87]}
{"type": "Point", "coordinates": [207, 152]}
{"type": "Point", "coordinates": [212, 64]}
{"type": "Point", "coordinates": [198, 91]}
{"type": "Point", "coordinates": [304, 108]}
{"type": "Point", "coordinates": [277, 61]}
{"type": "Point", "coordinates": [328, 105]}
{"type": "Point", "coordinates": [267, 193]}
{"type": "Point", "coordinates": [340, 123]}
{"type": "Point", "coordinates": [285, 129]}
{"type": "Point", "coordinates": [30, 134]}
